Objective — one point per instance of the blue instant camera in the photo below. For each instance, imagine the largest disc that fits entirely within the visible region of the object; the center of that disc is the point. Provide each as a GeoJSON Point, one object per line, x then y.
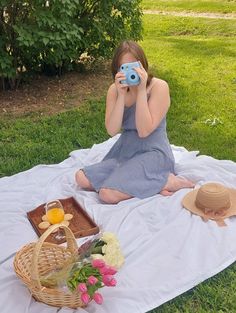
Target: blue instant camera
{"type": "Point", "coordinates": [131, 75]}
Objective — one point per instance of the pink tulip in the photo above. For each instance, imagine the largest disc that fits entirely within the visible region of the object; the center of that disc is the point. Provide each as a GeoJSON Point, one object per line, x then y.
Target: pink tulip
{"type": "Point", "coordinates": [92, 280]}
{"type": "Point", "coordinates": [98, 263]}
{"type": "Point", "coordinates": [109, 280]}
{"type": "Point", "coordinates": [97, 297]}
{"type": "Point", "coordinates": [111, 270]}
{"type": "Point", "coordinates": [85, 298]}
{"type": "Point", "coordinates": [108, 270]}
{"type": "Point", "coordinates": [82, 287]}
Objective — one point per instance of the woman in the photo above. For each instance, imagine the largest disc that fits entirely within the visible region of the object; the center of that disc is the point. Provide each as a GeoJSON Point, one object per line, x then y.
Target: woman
{"type": "Point", "coordinates": [140, 164]}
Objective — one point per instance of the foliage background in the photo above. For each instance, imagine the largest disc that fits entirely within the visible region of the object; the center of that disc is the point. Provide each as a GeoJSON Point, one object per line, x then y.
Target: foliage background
{"type": "Point", "coordinates": [50, 36]}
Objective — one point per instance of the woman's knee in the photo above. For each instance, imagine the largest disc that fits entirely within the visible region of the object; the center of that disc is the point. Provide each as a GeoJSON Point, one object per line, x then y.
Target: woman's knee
{"type": "Point", "coordinates": [108, 196]}
{"type": "Point", "coordinates": [82, 180]}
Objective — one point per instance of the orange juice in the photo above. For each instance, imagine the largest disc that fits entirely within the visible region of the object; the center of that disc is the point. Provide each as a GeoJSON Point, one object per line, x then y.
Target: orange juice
{"type": "Point", "coordinates": [55, 215]}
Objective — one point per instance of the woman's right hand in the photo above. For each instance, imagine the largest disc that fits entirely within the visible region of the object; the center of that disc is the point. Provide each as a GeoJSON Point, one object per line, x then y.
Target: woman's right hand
{"type": "Point", "coordinates": [121, 88]}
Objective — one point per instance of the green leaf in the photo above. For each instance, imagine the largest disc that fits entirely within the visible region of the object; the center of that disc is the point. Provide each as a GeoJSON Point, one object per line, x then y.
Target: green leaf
{"type": "Point", "coordinates": [45, 41]}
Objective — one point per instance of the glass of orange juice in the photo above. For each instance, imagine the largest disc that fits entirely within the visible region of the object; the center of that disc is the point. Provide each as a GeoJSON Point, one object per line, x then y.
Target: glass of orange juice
{"type": "Point", "coordinates": [55, 215]}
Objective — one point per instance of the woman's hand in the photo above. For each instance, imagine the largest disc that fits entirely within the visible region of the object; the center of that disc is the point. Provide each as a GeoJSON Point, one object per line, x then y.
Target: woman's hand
{"type": "Point", "coordinates": [121, 88]}
{"type": "Point", "coordinates": [143, 76]}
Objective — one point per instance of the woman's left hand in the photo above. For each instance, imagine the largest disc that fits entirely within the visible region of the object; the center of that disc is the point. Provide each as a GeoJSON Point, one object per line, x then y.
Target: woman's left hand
{"type": "Point", "coordinates": [143, 76]}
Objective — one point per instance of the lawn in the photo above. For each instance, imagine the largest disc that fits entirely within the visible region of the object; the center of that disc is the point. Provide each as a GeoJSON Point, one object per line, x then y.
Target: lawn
{"type": "Point", "coordinates": [30, 140]}
{"type": "Point", "coordinates": [216, 6]}
{"type": "Point", "coordinates": [196, 57]}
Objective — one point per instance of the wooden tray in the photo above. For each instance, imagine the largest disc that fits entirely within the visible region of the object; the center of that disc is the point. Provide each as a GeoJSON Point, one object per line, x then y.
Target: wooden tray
{"type": "Point", "coordinates": [81, 224]}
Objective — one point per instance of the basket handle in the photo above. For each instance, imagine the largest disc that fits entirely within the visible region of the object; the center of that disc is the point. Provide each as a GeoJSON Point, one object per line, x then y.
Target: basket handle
{"type": "Point", "coordinates": [71, 246]}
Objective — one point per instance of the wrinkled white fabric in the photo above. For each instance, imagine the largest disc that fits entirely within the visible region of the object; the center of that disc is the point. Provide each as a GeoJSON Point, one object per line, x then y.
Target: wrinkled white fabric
{"type": "Point", "coordinates": [167, 249]}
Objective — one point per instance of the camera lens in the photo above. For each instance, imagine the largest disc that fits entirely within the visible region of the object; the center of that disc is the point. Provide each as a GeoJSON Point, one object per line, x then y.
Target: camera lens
{"type": "Point", "coordinates": [132, 76]}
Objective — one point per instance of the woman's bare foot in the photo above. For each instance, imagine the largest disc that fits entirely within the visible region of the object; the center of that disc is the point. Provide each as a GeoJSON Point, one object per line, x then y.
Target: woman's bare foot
{"type": "Point", "coordinates": [175, 183]}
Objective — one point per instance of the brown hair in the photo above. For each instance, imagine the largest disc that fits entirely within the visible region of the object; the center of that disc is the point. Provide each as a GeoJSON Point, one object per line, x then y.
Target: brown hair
{"type": "Point", "coordinates": [129, 46]}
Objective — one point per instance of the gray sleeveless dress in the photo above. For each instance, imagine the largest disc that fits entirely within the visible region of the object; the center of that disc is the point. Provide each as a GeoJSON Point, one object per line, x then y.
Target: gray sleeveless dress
{"type": "Point", "coordinates": [135, 166]}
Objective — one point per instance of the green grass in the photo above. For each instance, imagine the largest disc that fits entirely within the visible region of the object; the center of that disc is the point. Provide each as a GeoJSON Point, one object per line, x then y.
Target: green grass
{"type": "Point", "coordinates": [196, 57]}
{"type": "Point", "coordinates": [214, 6]}
{"type": "Point", "coordinates": [28, 141]}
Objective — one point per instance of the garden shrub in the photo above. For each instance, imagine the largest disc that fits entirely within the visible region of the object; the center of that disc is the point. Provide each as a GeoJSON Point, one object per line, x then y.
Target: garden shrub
{"type": "Point", "coordinates": [50, 36]}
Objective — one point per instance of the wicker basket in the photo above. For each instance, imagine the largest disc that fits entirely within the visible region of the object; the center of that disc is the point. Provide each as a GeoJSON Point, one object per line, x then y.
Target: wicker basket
{"type": "Point", "coordinates": [36, 259]}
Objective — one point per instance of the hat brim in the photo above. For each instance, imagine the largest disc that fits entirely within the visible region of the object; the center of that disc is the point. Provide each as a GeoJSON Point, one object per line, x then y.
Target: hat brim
{"type": "Point", "coordinates": [188, 202]}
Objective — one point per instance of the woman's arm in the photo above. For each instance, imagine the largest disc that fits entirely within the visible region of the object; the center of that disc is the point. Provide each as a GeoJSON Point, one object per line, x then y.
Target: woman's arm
{"type": "Point", "coordinates": [114, 111]}
{"type": "Point", "coordinates": [115, 104]}
{"type": "Point", "coordinates": [150, 113]}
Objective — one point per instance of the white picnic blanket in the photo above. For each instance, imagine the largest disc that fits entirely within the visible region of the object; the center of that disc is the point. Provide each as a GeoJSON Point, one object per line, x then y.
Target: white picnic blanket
{"type": "Point", "coordinates": [167, 249]}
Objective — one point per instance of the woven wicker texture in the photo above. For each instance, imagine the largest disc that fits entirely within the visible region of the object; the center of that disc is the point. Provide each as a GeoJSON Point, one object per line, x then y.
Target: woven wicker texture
{"type": "Point", "coordinates": [37, 259]}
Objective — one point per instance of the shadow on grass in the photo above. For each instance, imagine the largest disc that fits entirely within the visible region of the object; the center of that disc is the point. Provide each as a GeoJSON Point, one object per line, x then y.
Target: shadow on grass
{"type": "Point", "coordinates": [201, 47]}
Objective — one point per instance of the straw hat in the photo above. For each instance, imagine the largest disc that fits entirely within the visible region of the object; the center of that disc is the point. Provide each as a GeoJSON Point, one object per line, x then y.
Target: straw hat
{"type": "Point", "coordinates": [211, 201]}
